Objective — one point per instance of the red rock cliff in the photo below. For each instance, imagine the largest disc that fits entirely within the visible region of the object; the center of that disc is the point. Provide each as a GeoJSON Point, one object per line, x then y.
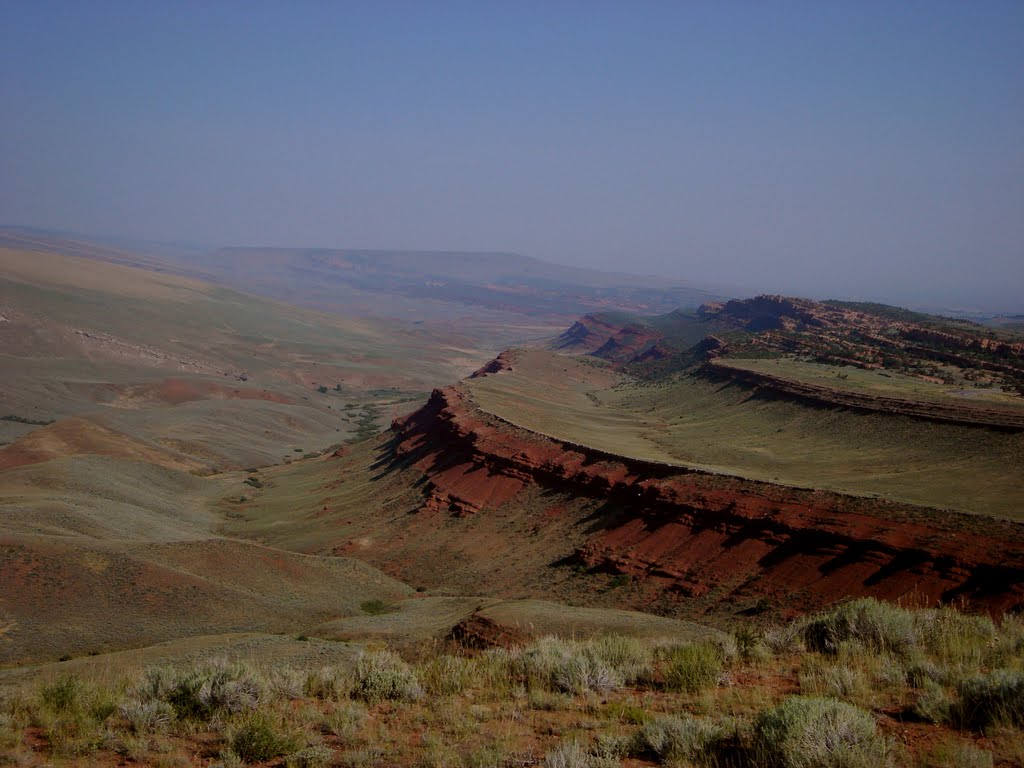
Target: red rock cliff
{"type": "Point", "coordinates": [687, 534]}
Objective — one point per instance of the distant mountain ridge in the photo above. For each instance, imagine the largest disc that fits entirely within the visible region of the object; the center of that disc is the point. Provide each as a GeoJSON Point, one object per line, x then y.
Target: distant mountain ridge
{"type": "Point", "coordinates": [424, 284]}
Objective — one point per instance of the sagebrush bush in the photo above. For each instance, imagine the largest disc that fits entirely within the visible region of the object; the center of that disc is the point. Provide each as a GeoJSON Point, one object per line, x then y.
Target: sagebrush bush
{"type": "Point", "coordinates": [147, 715]}
{"type": "Point", "coordinates": [678, 738]}
{"type": "Point", "coordinates": [327, 683]}
{"type": "Point", "coordinates": [784, 639]}
{"type": "Point", "coordinates": [807, 732]}
{"type": "Point", "coordinates": [346, 719]}
{"type": "Point", "coordinates": [992, 699]}
{"type": "Point", "coordinates": [570, 667]}
{"type": "Point", "coordinates": [871, 623]}
{"type": "Point", "coordinates": [934, 703]}
{"type": "Point", "coordinates": [631, 659]}
{"type": "Point", "coordinates": [568, 755]}
{"type": "Point", "coordinates": [285, 682]}
{"type": "Point", "coordinates": [691, 668]}
{"type": "Point", "coordinates": [383, 675]}
{"type": "Point", "coordinates": [316, 756]}
{"type": "Point", "coordinates": [217, 688]}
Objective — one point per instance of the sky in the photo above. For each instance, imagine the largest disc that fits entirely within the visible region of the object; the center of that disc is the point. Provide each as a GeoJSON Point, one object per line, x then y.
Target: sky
{"type": "Point", "coordinates": [860, 149]}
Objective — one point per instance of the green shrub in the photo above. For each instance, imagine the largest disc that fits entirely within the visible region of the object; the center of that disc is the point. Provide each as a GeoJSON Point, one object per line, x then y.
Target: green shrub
{"type": "Point", "coordinates": [63, 695]}
{"type": "Point", "coordinates": [73, 715]}
{"type": "Point", "coordinates": [934, 703]}
{"type": "Point", "coordinates": [74, 736]}
{"type": "Point", "coordinates": [258, 738]}
{"type": "Point", "coordinates": [992, 699]}
{"type": "Point", "coordinates": [383, 675]}
{"type": "Point", "coordinates": [871, 623]}
{"type": "Point", "coordinates": [447, 675]}
{"type": "Point", "coordinates": [839, 681]}
{"type": "Point", "coordinates": [327, 683]}
{"type": "Point", "coordinates": [955, 754]}
{"type": "Point", "coordinates": [691, 668]}
{"type": "Point", "coordinates": [957, 639]}
{"type": "Point", "coordinates": [819, 733]}
{"type": "Point", "coordinates": [496, 671]}
{"type": "Point", "coordinates": [375, 607]}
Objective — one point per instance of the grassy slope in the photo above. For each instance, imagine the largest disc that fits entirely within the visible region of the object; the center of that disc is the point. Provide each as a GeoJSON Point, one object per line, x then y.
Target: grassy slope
{"type": "Point", "coordinates": [104, 513]}
{"type": "Point", "coordinates": [689, 421]}
{"type": "Point", "coordinates": [106, 539]}
{"type": "Point", "coordinates": [879, 383]}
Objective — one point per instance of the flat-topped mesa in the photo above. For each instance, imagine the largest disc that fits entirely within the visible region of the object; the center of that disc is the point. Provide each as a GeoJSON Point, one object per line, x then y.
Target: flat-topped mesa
{"type": "Point", "coordinates": [694, 540]}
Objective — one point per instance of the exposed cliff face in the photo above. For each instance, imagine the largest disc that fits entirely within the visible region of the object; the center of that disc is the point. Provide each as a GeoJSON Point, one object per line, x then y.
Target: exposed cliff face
{"type": "Point", "coordinates": [864, 336]}
{"type": "Point", "coordinates": [606, 338]}
{"type": "Point", "coordinates": [502, 362]}
{"type": "Point", "coordinates": [695, 538]}
{"type": "Point", "coordinates": [633, 342]}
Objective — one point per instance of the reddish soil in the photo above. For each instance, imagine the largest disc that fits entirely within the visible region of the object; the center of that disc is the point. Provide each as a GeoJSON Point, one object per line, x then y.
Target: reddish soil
{"type": "Point", "coordinates": [78, 435]}
{"type": "Point", "coordinates": [175, 391]}
{"type": "Point", "coordinates": [479, 633]}
{"type": "Point", "coordinates": [689, 534]}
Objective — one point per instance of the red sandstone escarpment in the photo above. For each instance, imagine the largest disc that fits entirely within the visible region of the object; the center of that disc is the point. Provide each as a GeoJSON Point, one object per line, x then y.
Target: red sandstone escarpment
{"type": "Point", "coordinates": [502, 362]}
{"type": "Point", "coordinates": [813, 394]}
{"type": "Point", "coordinates": [588, 334]}
{"type": "Point", "coordinates": [701, 539]}
{"type": "Point", "coordinates": [629, 344]}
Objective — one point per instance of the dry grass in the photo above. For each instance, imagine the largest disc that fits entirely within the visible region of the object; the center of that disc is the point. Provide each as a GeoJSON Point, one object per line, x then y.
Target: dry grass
{"type": "Point", "coordinates": [587, 703]}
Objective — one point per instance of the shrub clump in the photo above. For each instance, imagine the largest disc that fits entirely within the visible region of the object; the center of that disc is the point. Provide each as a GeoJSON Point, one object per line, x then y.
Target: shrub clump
{"type": "Point", "coordinates": [996, 698]}
{"type": "Point", "coordinates": [560, 665]}
{"type": "Point", "coordinates": [677, 738]}
{"type": "Point", "coordinates": [147, 715]}
{"type": "Point", "coordinates": [447, 675]}
{"type": "Point", "coordinates": [819, 733]}
{"type": "Point", "coordinates": [568, 755]}
{"type": "Point", "coordinates": [692, 668]}
{"type": "Point", "coordinates": [215, 689]}
{"type": "Point", "coordinates": [871, 623]}
{"type": "Point", "coordinates": [383, 675]}
{"type": "Point", "coordinates": [257, 739]}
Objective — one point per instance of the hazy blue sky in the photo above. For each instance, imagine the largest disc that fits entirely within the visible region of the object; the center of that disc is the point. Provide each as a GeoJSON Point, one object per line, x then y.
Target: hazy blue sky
{"type": "Point", "coordinates": [821, 148]}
